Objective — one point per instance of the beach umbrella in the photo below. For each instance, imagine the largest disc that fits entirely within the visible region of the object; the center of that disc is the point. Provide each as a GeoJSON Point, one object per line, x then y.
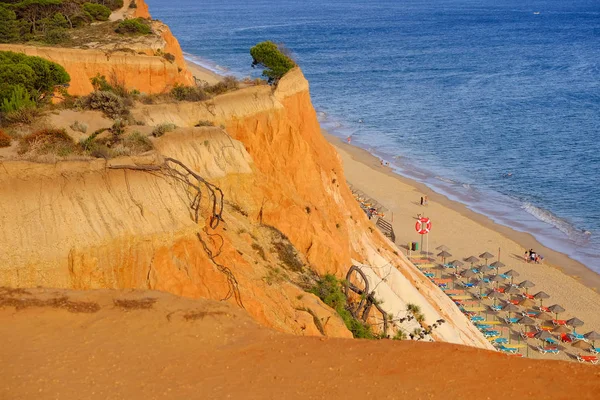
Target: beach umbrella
{"type": "Point", "coordinates": [526, 285]}
{"type": "Point", "coordinates": [526, 321]}
{"type": "Point", "coordinates": [543, 335]}
{"type": "Point", "coordinates": [581, 344]}
{"type": "Point", "coordinates": [544, 316]}
{"type": "Point", "coordinates": [575, 322]}
{"type": "Point", "coordinates": [556, 309]}
{"type": "Point", "coordinates": [510, 308]}
{"type": "Point", "coordinates": [512, 274]}
{"type": "Point", "coordinates": [457, 263]}
{"type": "Point", "coordinates": [467, 273]}
{"type": "Point", "coordinates": [486, 256]}
{"type": "Point", "coordinates": [511, 290]}
{"type": "Point", "coordinates": [444, 254]}
{"type": "Point", "coordinates": [527, 303]}
{"type": "Point", "coordinates": [495, 295]}
{"type": "Point", "coordinates": [541, 296]}
{"type": "Point", "coordinates": [497, 265]}
{"type": "Point", "coordinates": [497, 279]}
{"type": "Point", "coordinates": [472, 259]}
{"type": "Point", "coordinates": [443, 248]}
{"type": "Point", "coordinates": [561, 329]}
{"type": "Point", "coordinates": [593, 336]}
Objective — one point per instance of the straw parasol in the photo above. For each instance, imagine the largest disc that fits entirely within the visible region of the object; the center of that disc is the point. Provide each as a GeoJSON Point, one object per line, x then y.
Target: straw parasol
{"type": "Point", "coordinates": [526, 321]}
{"type": "Point", "coordinates": [444, 254]}
{"type": "Point", "coordinates": [575, 322]}
{"type": "Point", "coordinates": [512, 274]}
{"type": "Point", "coordinates": [526, 285]}
{"type": "Point", "coordinates": [544, 316]}
{"type": "Point", "coordinates": [581, 344]}
{"type": "Point", "coordinates": [527, 303]}
{"type": "Point", "coordinates": [541, 296]}
{"type": "Point", "coordinates": [486, 256]}
{"type": "Point", "coordinates": [512, 290]}
{"type": "Point", "coordinates": [561, 329]}
{"type": "Point", "coordinates": [472, 259]}
{"type": "Point", "coordinates": [467, 273]}
{"type": "Point", "coordinates": [543, 335]}
{"type": "Point", "coordinates": [509, 308]}
{"type": "Point", "coordinates": [556, 309]}
{"type": "Point", "coordinates": [497, 265]}
{"type": "Point", "coordinates": [593, 336]}
{"type": "Point", "coordinates": [457, 263]}
{"type": "Point", "coordinates": [443, 248]}
{"type": "Point", "coordinates": [495, 295]}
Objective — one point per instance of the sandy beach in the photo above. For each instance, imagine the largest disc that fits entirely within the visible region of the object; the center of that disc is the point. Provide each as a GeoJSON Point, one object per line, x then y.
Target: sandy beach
{"type": "Point", "coordinates": [202, 73]}
{"type": "Point", "coordinates": [466, 233]}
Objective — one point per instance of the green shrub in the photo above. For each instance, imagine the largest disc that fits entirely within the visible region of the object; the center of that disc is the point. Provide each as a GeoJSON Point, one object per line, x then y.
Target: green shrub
{"type": "Point", "coordinates": [169, 57]}
{"type": "Point", "coordinates": [162, 129]}
{"type": "Point", "coordinates": [4, 139]}
{"type": "Point", "coordinates": [138, 143]}
{"type": "Point", "coordinates": [329, 290]}
{"type": "Point", "coordinates": [204, 123]}
{"type": "Point", "coordinates": [9, 27]}
{"type": "Point", "coordinates": [36, 75]}
{"type": "Point", "coordinates": [97, 11]}
{"type": "Point", "coordinates": [132, 4]}
{"type": "Point", "coordinates": [48, 141]}
{"type": "Point", "coordinates": [276, 63]}
{"type": "Point", "coordinates": [22, 116]}
{"type": "Point", "coordinates": [79, 127]}
{"type": "Point", "coordinates": [56, 35]}
{"type": "Point", "coordinates": [134, 26]}
{"type": "Point", "coordinates": [112, 105]}
{"type": "Point", "coordinates": [189, 93]}
{"type": "Point", "coordinates": [19, 99]}
{"type": "Point", "coordinates": [228, 83]}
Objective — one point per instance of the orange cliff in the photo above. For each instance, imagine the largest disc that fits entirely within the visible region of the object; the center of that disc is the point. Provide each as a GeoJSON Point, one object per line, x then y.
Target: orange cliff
{"type": "Point", "coordinates": [142, 67]}
{"type": "Point", "coordinates": [80, 225]}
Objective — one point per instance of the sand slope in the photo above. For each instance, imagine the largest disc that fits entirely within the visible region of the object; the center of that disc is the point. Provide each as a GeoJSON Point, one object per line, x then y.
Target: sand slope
{"type": "Point", "coordinates": [182, 348]}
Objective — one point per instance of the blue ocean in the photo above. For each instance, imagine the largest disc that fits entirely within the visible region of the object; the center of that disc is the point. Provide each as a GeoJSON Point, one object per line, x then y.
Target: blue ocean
{"type": "Point", "coordinates": [495, 104]}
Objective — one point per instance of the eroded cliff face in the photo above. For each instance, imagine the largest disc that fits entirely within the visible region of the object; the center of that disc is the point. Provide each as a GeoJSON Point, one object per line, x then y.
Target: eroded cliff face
{"type": "Point", "coordinates": [148, 74]}
{"type": "Point", "coordinates": [81, 225]}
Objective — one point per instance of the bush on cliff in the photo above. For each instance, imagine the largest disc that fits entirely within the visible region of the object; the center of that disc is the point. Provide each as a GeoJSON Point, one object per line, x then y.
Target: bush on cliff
{"type": "Point", "coordinates": [9, 27]}
{"type": "Point", "coordinates": [97, 11]}
{"type": "Point", "coordinates": [112, 105]}
{"type": "Point", "coordinates": [4, 139]}
{"type": "Point", "coordinates": [135, 26]}
{"type": "Point", "coordinates": [189, 93]}
{"type": "Point", "coordinates": [48, 141]}
{"type": "Point", "coordinates": [329, 290]}
{"type": "Point", "coordinates": [270, 56]}
{"type": "Point", "coordinates": [39, 78]}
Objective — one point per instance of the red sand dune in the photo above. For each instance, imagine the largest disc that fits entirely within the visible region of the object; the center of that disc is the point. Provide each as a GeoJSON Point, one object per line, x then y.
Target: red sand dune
{"type": "Point", "coordinates": [94, 345]}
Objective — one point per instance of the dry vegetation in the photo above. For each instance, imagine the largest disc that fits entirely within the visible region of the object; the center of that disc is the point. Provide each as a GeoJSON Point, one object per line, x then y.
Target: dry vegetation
{"type": "Point", "coordinates": [16, 298]}
{"type": "Point", "coordinates": [135, 304]}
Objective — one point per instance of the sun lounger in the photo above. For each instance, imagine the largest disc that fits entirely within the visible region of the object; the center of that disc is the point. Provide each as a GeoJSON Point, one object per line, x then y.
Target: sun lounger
{"type": "Point", "coordinates": [500, 340]}
{"type": "Point", "coordinates": [515, 302]}
{"type": "Point", "coordinates": [495, 308]}
{"type": "Point", "coordinates": [590, 359]}
{"type": "Point", "coordinates": [595, 350]}
{"type": "Point", "coordinates": [527, 296]}
{"type": "Point", "coordinates": [577, 336]}
{"type": "Point", "coordinates": [500, 290]}
{"type": "Point", "coordinates": [530, 313]}
{"type": "Point", "coordinates": [544, 309]}
{"type": "Point", "coordinates": [558, 322]}
{"type": "Point", "coordinates": [528, 335]}
{"type": "Point", "coordinates": [429, 274]}
{"type": "Point", "coordinates": [477, 318]}
{"type": "Point", "coordinates": [566, 338]}
{"type": "Point", "coordinates": [510, 321]}
{"type": "Point", "coordinates": [507, 349]}
{"type": "Point", "coordinates": [504, 276]}
{"type": "Point", "coordinates": [551, 341]}
{"type": "Point", "coordinates": [545, 350]}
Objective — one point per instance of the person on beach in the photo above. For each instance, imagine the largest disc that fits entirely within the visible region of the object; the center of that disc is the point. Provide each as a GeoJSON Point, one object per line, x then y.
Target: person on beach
{"type": "Point", "coordinates": [526, 256]}
{"type": "Point", "coordinates": [425, 201]}
{"type": "Point", "coordinates": [349, 139]}
{"type": "Point", "coordinates": [421, 200]}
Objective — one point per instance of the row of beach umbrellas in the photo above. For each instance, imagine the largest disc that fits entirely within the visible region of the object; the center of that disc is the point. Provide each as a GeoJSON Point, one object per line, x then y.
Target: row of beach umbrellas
{"type": "Point", "coordinates": [509, 307]}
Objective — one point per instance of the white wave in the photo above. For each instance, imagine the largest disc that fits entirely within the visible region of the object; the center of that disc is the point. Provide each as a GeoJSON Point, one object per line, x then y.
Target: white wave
{"type": "Point", "coordinates": [546, 216]}
{"type": "Point", "coordinates": [259, 27]}
{"type": "Point", "coordinates": [446, 180]}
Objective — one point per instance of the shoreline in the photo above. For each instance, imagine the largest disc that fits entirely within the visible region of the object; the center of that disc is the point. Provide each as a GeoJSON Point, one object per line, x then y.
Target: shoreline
{"type": "Point", "coordinates": [202, 73]}
{"type": "Point", "coordinates": [552, 258]}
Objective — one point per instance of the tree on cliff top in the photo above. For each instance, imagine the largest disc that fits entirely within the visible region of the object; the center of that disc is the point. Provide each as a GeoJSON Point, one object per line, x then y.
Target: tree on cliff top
{"type": "Point", "coordinates": [270, 56]}
{"type": "Point", "coordinates": [38, 77]}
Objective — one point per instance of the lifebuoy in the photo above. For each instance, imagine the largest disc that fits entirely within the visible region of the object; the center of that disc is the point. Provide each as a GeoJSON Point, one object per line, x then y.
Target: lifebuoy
{"type": "Point", "coordinates": [423, 226]}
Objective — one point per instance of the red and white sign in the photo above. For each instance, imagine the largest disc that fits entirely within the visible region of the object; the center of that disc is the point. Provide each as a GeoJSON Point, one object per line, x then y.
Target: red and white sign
{"type": "Point", "coordinates": [423, 225]}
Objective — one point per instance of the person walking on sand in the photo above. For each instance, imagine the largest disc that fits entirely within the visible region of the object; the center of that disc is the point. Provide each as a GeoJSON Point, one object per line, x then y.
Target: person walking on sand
{"type": "Point", "coordinates": [426, 201]}
{"type": "Point", "coordinates": [349, 139]}
{"type": "Point", "coordinates": [421, 200]}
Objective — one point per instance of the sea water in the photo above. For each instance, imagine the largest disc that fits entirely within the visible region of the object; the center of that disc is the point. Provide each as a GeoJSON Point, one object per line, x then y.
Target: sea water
{"type": "Point", "coordinates": [495, 104]}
